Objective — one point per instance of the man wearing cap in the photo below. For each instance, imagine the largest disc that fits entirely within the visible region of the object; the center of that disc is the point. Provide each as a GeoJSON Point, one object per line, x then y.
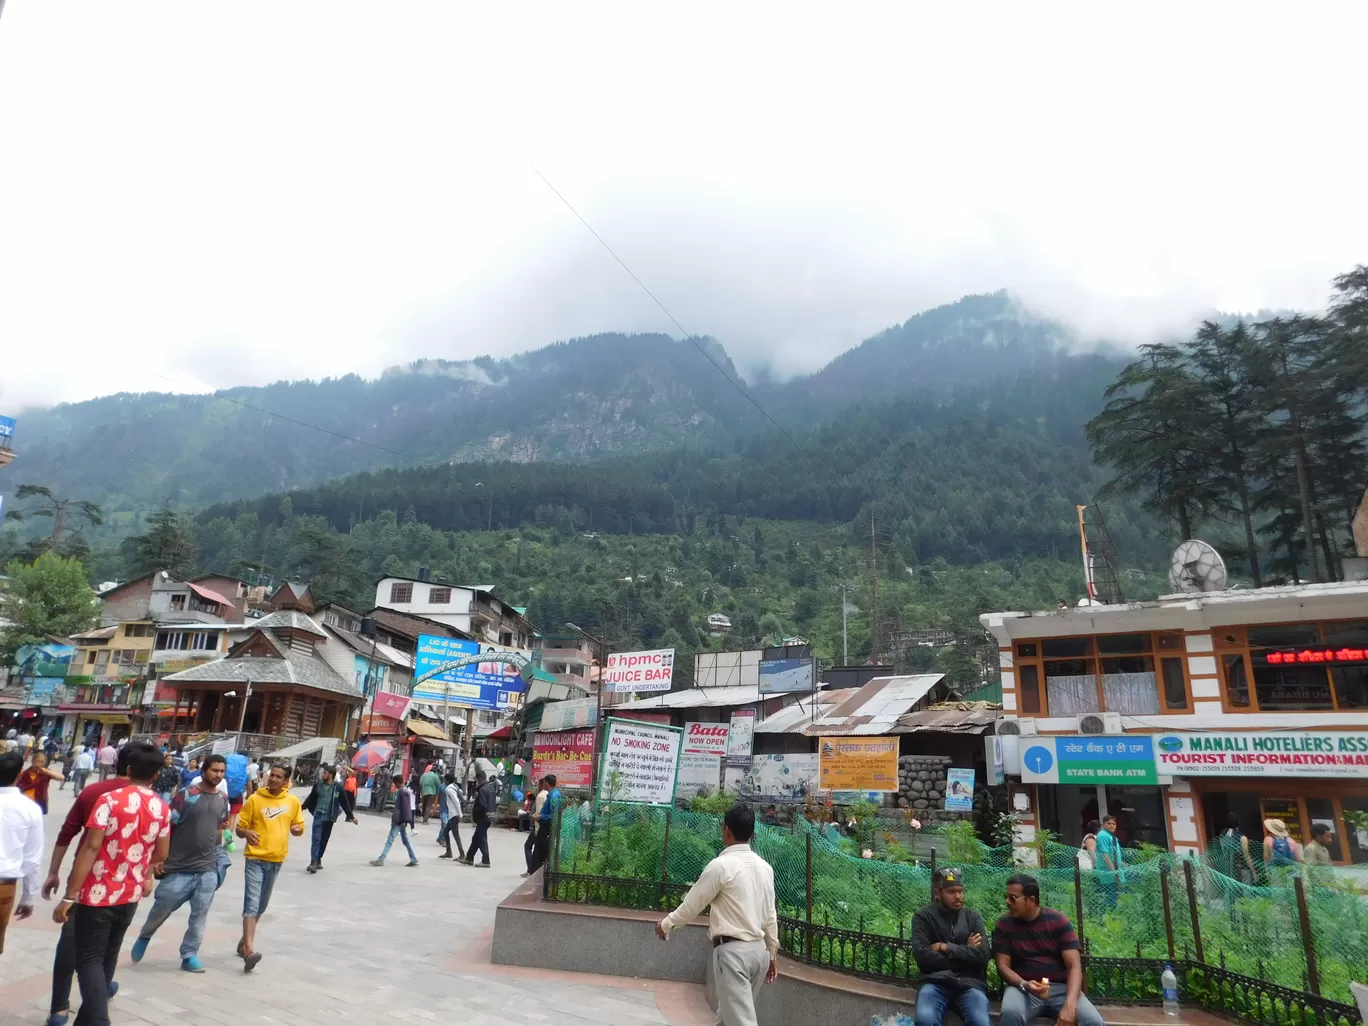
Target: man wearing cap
{"type": "Point", "coordinates": [951, 948]}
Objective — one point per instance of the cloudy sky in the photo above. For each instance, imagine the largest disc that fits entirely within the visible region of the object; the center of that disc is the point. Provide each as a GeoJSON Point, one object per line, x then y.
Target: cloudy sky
{"type": "Point", "coordinates": [193, 199]}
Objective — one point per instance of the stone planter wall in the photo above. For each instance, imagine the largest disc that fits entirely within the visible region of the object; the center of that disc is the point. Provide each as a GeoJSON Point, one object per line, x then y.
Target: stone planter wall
{"type": "Point", "coordinates": [921, 788]}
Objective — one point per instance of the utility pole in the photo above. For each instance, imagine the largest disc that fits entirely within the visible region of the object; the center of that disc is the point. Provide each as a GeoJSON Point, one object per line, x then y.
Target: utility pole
{"type": "Point", "coordinates": [845, 641]}
{"type": "Point", "coordinates": [874, 574]}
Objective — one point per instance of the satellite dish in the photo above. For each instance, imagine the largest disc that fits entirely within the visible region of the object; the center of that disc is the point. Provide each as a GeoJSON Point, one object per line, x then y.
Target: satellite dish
{"type": "Point", "coordinates": [1196, 567]}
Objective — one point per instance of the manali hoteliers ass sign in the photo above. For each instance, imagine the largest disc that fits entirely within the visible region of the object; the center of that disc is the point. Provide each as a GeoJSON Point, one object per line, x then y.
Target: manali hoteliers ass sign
{"type": "Point", "coordinates": [1295, 753]}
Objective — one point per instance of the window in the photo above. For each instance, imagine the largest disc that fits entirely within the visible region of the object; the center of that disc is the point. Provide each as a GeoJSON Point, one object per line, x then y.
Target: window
{"type": "Point", "coordinates": [141, 655]}
{"type": "Point", "coordinates": [204, 642]}
{"type": "Point", "coordinates": [439, 596]}
{"type": "Point", "coordinates": [1295, 666]}
{"type": "Point", "coordinates": [401, 592]}
{"type": "Point", "coordinates": [90, 657]}
{"type": "Point", "coordinates": [137, 630]}
{"type": "Point", "coordinates": [178, 601]}
{"type": "Point", "coordinates": [1132, 674]}
{"type": "Point", "coordinates": [173, 641]}
{"type": "Point", "coordinates": [506, 639]}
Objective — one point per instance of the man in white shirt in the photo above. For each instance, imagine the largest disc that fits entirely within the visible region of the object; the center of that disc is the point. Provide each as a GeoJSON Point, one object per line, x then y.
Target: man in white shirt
{"type": "Point", "coordinates": [108, 756]}
{"type": "Point", "coordinates": [743, 924]}
{"type": "Point", "coordinates": [21, 845]}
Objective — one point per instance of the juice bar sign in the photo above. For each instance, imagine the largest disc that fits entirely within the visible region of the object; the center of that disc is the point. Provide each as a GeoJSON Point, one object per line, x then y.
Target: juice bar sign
{"type": "Point", "coordinates": [1284, 753]}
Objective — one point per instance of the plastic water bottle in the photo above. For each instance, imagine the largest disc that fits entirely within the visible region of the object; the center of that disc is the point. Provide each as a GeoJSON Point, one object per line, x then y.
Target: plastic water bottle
{"type": "Point", "coordinates": [1169, 983]}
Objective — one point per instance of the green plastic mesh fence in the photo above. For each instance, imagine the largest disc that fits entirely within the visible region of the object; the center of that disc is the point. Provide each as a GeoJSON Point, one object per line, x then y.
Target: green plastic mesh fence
{"type": "Point", "coordinates": [1250, 929]}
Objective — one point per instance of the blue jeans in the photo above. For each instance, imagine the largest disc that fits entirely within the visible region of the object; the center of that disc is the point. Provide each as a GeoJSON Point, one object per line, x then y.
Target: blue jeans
{"type": "Point", "coordinates": [174, 891]}
{"type": "Point", "coordinates": [258, 881]}
{"type": "Point", "coordinates": [399, 830]}
{"type": "Point", "coordinates": [932, 1001]}
{"type": "Point", "coordinates": [318, 840]}
{"type": "Point", "coordinates": [1019, 1009]}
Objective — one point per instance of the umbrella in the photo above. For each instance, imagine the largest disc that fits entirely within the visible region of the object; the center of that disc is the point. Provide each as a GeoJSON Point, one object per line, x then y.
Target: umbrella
{"type": "Point", "coordinates": [372, 754]}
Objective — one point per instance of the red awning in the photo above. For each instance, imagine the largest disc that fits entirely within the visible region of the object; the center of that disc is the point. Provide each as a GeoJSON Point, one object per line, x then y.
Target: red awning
{"type": "Point", "coordinates": [174, 712]}
{"type": "Point", "coordinates": [209, 594]}
{"type": "Point", "coordinates": [502, 734]}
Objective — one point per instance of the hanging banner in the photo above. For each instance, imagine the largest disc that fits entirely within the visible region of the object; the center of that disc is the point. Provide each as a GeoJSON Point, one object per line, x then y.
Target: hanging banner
{"type": "Point", "coordinates": [640, 763]}
{"type": "Point", "coordinates": [1264, 753]}
{"type": "Point", "coordinates": [568, 754]}
{"type": "Point", "coordinates": [639, 671]}
{"type": "Point", "coordinates": [473, 674]}
{"type": "Point", "coordinates": [858, 764]}
{"type": "Point", "coordinates": [959, 790]}
{"type": "Point", "coordinates": [706, 738]}
{"type": "Point", "coordinates": [781, 778]}
{"type": "Point", "coordinates": [578, 712]}
{"type": "Point", "coordinates": [697, 774]}
{"type": "Point", "coordinates": [741, 737]}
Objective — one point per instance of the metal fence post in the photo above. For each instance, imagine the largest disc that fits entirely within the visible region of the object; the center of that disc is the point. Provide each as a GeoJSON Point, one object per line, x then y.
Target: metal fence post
{"type": "Point", "coordinates": [807, 934]}
{"type": "Point", "coordinates": [1192, 910]}
{"type": "Point", "coordinates": [1308, 939]}
{"type": "Point", "coordinates": [1168, 912]}
{"type": "Point", "coordinates": [933, 876]}
{"type": "Point", "coordinates": [665, 859]}
{"type": "Point", "coordinates": [1078, 902]}
{"type": "Point", "coordinates": [553, 860]}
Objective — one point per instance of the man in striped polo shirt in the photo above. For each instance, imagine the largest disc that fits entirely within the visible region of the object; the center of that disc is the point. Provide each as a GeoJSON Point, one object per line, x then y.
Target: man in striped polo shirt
{"type": "Point", "coordinates": [1039, 960]}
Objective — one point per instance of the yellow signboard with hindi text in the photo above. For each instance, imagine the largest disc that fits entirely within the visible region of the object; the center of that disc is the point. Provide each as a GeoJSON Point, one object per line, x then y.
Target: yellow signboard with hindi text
{"type": "Point", "coordinates": [857, 764]}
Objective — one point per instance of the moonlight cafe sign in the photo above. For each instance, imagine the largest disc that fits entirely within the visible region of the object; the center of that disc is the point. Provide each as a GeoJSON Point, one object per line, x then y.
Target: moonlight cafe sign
{"type": "Point", "coordinates": [1286, 753]}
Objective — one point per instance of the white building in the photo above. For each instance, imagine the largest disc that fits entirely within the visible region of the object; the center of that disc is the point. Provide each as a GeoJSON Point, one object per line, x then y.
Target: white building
{"type": "Point", "coordinates": [473, 610]}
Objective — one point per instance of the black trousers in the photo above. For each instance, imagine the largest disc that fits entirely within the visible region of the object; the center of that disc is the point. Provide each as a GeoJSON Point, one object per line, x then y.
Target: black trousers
{"type": "Point", "coordinates": [529, 851]}
{"type": "Point", "coordinates": [479, 842]}
{"type": "Point", "coordinates": [99, 934]}
{"type": "Point", "coordinates": [63, 969]}
{"type": "Point", "coordinates": [451, 829]}
{"type": "Point", "coordinates": [542, 850]}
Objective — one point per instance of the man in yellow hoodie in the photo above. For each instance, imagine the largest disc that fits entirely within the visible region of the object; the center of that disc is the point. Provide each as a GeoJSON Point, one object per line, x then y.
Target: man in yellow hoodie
{"type": "Point", "coordinates": [267, 820]}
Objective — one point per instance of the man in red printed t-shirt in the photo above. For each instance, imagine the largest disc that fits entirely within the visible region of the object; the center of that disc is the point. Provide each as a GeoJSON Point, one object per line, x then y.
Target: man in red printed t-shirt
{"type": "Point", "coordinates": [128, 832]}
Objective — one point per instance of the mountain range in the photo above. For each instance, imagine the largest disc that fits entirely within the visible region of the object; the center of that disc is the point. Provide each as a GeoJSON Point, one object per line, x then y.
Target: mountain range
{"type": "Point", "coordinates": [605, 397]}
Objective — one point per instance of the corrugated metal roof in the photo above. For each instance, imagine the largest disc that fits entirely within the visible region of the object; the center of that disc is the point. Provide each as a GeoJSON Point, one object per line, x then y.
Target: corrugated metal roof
{"type": "Point", "coordinates": [875, 708]}
{"type": "Point", "coordinates": [947, 721]}
{"type": "Point", "coordinates": [698, 698]}
{"type": "Point", "coordinates": [793, 718]}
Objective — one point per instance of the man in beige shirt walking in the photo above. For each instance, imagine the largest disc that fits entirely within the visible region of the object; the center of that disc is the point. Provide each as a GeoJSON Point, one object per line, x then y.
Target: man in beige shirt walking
{"type": "Point", "coordinates": [743, 924]}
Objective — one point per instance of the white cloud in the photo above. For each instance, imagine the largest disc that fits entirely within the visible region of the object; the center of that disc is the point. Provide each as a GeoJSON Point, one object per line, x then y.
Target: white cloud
{"type": "Point", "coordinates": [236, 195]}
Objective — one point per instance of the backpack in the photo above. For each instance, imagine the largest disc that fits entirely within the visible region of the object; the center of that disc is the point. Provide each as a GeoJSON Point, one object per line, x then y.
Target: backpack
{"type": "Point", "coordinates": [1282, 852]}
{"type": "Point", "coordinates": [236, 775]}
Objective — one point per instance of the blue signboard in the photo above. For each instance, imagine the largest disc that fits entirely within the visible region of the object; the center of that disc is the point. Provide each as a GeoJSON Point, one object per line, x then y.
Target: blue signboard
{"type": "Point", "coordinates": [959, 790]}
{"type": "Point", "coordinates": [41, 690]}
{"type": "Point", "coordinates": [1089, 759]}
{"type": "Point", "coordinates": [468, 673]}
{"type": "Point", "coordinates": [6, 427]}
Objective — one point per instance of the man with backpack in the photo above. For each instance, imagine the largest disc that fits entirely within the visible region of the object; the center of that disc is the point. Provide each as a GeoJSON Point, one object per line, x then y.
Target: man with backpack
{"type": "Point", "coordinates": [952, 948]}
{"type": "Point", "coordinates": [482, 811]}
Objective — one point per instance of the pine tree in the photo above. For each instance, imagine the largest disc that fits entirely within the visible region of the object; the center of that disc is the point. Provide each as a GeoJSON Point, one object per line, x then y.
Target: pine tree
{"type": "Point", "coordinates": [168, 545]}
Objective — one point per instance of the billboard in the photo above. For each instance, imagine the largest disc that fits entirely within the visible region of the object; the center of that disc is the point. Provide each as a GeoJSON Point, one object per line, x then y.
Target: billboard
{"type": "Point", "coordinates": [474, 674]}
{"type": "Point", "coordinates": [858, 764]}
{"type": "Point", "coordinates": [43, 660]}
{"type": "Point", "coordinates": [578, 712]}
{"type": "Point", "coordinates": [778, 676]}
{"type": "Point", "coordinates": [640, 763]}
{"type": "Point", "coordinates": [1263, 753]}
{"type": "Point", "coordinates": [739, 741]}
{"type": "Point", "coordinates": [639, 671]}
{"type": "Point", "coordinates": [706, 738]}
{"type": "Point", "coordinates": [6, 429]}
{"type": "Point", "coordinates": [781, 778]}
{"type": "Point", "coordinates": [698, 773]}
{"type": "Point", "coordinates": [568, 754]}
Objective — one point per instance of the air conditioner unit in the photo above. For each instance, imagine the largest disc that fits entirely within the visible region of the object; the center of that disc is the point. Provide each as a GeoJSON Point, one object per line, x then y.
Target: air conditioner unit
{"type": "Point", "coordinates": [1012, 727]}
{"type": "Point", "coordinates": [1099, 723]}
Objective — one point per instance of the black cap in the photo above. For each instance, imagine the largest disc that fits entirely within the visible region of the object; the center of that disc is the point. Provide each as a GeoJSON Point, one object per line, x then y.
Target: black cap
{"type": "Point", "coordinates": [948, 875]}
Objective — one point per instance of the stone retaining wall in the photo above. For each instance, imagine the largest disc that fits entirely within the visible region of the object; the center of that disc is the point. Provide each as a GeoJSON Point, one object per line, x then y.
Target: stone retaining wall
{"type": "Point", "coordinates": [921, 788]}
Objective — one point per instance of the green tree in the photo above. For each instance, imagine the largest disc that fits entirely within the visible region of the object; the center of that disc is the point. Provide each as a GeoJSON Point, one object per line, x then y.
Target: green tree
{"type": "Point", "coordinates": [169, 544]}
{"type": "Point", "coordinates": [69, 517]}
{"type": "Point", "coordinates": [48, 596]}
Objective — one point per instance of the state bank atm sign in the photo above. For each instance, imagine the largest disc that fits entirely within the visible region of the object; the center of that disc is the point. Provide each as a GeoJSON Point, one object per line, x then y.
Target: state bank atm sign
{"type": "Point", "coordinates": [1088, 759]}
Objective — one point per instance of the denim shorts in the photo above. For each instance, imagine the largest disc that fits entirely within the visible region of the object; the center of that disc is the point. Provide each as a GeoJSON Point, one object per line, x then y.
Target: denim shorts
{"type": "Point", "coordinates": [258, 881]}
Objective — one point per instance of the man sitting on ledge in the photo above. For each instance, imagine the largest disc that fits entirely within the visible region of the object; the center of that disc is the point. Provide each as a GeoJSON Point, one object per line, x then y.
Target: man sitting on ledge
{"type": "Point", "coordinates": [952, 953]}
{"type": "Point", "coordinates": [1039, 960]}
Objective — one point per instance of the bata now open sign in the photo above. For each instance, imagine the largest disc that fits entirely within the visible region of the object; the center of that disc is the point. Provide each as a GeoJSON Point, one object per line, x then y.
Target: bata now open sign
{"type": "Point", "coordinates": [706, 738]}
{"type": "Point", "coordinates": [639, 671]}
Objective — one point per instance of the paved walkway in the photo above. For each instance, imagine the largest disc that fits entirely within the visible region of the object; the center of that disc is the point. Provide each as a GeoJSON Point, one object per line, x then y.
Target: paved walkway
{"type": "Point", "coordinates": [353, 944]}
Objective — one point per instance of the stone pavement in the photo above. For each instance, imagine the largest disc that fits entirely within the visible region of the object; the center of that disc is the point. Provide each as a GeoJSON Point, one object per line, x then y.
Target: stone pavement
{"type": "Point", "coordinates": [352, 944]}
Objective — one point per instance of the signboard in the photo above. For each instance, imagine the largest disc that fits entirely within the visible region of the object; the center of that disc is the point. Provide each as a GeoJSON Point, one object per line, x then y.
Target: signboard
{"type": "Point", "coordinates": [473, 674]}
{"type": "Point", "coordinates": [363, 797]}
{"type": "Point", "coordinates": [42, 690]}
{"type": "Point", "coordinates": [706, 738]}
{"type": "Point", "coordinates": [43, 660]}
{"type": "Point", "coordinates": [739, 741]}
{"type": "Point", "coordinates": [1088, 759]}
{"type": "Point", "coordinates": [781, 778]}
{"type": "Point", "coordinates": [698, 773]}
{"type": "Point", "coordinates": [959, 790]}
{"type": "Point", "coordinates": [384, 726]}
{"type": "Point", "coordinates": [387, 703]}
{"type": "Point", "coordinates": [568, 754]}
{"type": "Point", "coordinates": [224, 745]}
{"type": "Point", "coordinates": [639, 671]}
{"type": "Point", "coordinates": [858, 764]}
{"type": "Point", "coordinates": [1265, 753]}
{"type": "Point", "coordinates": [784, 675]}
{"type": "Point", "coordinates": [641, 717]}
{"type": "Point", "coordinates": [640, 763]}
{"type": "Point", "coordinates": [580, 712]}
{"type": "Point", "coordinates": [996, 761]}
{"type": "Point", "coordinates": [6, 427]}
